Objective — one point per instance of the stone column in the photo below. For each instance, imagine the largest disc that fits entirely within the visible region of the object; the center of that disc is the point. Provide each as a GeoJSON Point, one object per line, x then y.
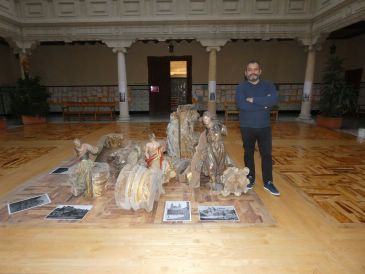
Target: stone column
{"type": "Point", "coordinates": [120, 47]}
{"type": "Point", "coordinates": [213, 46]}
{"type": "Point", "coordinates": [212, 79]}
{"type": "Point", "coordinates": [122, 85]}
{"type": "Point", "coordinates": [305, 112]}
{"type": "Point", "coordinates": [312, 44]}
{"type": "Point", "coordinates": [23, 50]}
{"type": "Point", "coordinates": [23, 64]}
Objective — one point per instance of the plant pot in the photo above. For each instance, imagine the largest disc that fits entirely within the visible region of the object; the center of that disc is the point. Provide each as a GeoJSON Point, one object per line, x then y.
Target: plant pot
{"type": "Point", "coordinates": [3, 124]}
{"type": "Point", "coordinates": [33, 120]}
{"type": "Point", "coordinates": [329, 122]}
{"type": "Point", "coordinates": [349, 123]}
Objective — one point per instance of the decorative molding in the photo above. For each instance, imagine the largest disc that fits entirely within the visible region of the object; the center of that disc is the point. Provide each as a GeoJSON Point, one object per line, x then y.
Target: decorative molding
{"type": "Point", "coordinates": [297, 6]}
{"type": "Point", "coordinates": [9, 30]}
{"type": "Point", "coordinates": [230, 6]}
{"type": "Point", "coordinates": [33, 9]}
{"type": "Point", "coordinates": [162, 32]}
{"type": "Point", "coordinates": [130, 20]}
{"type": "Point", "coordinates": [98, 8]}
{"type": "Point", "coordinates": [199, 7]}
{"type": "Point", "coordinates": [131, 8]}
{"type": "Point", "coordinates": [265, 6]}
{"type": "Point", "coordinates": [66, 8]}
{"type": "Point", "coordinates": [7, 8]}
{"type": "Point", "coordinates": [339, 17]}
{"type": "Point", "coordinates": [165, 7]}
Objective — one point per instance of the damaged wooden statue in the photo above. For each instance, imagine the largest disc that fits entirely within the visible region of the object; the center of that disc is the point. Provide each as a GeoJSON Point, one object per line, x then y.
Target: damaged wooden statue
{"type": "Point", "coordinates": [210, 159]}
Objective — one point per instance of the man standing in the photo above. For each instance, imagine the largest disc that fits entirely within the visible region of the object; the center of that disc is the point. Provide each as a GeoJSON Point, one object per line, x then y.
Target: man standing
{"type": "Point", "coordinates": [254, 99]}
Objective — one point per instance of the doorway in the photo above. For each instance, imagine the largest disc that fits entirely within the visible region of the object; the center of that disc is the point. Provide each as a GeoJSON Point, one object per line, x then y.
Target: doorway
{"type": "Point", "coordinates": [169, 79]}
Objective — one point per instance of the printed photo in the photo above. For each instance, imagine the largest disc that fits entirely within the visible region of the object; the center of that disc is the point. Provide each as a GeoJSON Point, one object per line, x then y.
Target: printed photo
{"type": "Point", "coordinates": [177, 211]}
{"type": "Point", "coordinates": [217, 213]}
{"type": "Point", "coordinates": [28, 203]}
{"type": "Point", "coordinates": [69, 212]}
{"type": "Point", "coordinates": [60, 170]}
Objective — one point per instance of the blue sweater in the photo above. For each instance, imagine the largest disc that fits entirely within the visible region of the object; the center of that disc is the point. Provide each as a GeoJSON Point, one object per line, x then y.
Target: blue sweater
{"type": "Point", "coordinates": [256, 114]}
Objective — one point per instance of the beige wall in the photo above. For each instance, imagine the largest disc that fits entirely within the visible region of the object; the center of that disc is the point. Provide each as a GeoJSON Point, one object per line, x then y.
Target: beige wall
{"type": "Point", "coordinates": [282, 61]}
{"type": "Point", "coordinates": [9, 66]}
{"type": "Point", "coordinates": [74, 65]}
{"type": "Point", "coordinates": [97, 65]}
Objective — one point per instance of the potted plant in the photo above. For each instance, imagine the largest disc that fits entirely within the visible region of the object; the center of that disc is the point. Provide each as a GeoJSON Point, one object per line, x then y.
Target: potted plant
{"type": "Point", "coordinates": [3, 124]}
{"type": "Point", "coordinates": [337, 97]}
{"type": "Point", "coordinates": [29, 99]}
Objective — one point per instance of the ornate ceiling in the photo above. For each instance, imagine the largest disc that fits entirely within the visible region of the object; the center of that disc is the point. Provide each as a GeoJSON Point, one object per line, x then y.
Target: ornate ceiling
{"type": "Point", "coordinates": [118, 23]}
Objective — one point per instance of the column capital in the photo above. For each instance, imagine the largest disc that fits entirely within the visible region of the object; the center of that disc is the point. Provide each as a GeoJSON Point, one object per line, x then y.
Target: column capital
{"type": "Point", "coordinates": [119, 49]}
{"type": "Point", "coordinates": [118, 45]}
{"type": "Point", "coordinates": [23, 47]}
{"type": "Point", "coordinates": [213, 43]}
{"type": "Point", "coordinates": [209, 49]}
{"type": "Point", "coordinates": [313, 42]}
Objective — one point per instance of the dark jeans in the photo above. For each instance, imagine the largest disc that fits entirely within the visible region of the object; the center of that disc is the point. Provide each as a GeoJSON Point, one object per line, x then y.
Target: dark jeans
{"type": "Point", "coordinates": [264, 141]}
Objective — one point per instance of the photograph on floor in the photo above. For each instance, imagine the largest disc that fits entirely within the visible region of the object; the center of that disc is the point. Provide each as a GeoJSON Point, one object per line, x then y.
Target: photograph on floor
{"type": "Point", "coordinates": [69, 212]}
{"type": "Point", "coordinates": [177, 211]}
{"type": "Point", "coordinates": [28, 203]}
{"type": "Point", "coordinates": [60, 170]}
{"type": "Point", "coordinates": [218, 213]}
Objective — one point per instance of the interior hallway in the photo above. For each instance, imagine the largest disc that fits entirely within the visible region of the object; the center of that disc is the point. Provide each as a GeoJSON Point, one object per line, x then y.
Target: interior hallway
{"type": "Point", "coordinates": [320, 214]}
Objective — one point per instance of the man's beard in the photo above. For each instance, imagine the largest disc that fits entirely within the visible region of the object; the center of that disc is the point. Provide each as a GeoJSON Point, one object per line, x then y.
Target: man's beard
{"type": "Point", "coordinates": [253, 77]}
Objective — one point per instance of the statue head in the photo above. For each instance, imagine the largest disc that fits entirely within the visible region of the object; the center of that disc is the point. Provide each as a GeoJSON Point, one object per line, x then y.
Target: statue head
{"type": "Point", "coordinates": [77, 142]}
{"type": "Point", "coordinates": [151, 136]}
{"type": "Point", "coordinates": [207, 118]}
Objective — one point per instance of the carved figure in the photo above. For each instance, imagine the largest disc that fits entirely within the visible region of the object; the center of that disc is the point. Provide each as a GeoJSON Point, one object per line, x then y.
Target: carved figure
{"type": "Point", "coordinates": [187, 118]}
{"type": "Point", "coordinates": [210, 157]}
{"type": "Point", "coordinates": [172, 133]}
{"type": "Point", "coordinates": [81, 174]}
{"type": "Point", "coordinates": [154, 152]}
{"type": "Point", "coordinates": [155, 159]}
{"type": "Point", "coordinates": [235, 181]}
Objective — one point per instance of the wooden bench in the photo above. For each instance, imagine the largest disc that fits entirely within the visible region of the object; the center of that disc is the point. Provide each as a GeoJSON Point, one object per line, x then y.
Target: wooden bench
{"type": "Point", "coordinates": [231, 108]}
{"type": "Point", "coordinates": [89, 106]}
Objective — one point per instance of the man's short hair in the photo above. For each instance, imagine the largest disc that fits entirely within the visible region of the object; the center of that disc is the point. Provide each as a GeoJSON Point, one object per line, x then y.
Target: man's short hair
{"type": "Point", "coordinates": [253, 62]}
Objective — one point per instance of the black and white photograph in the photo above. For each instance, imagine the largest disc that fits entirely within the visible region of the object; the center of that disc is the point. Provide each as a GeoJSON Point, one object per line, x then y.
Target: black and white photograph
{"type": "Point", "coordinates": [28, 203]}
{"type": "Point", "coordinates": [177, 211]}
{"type": "Point", "coordinates": [217, 213]}
{"type": "Point", "coordinates": [69, 212]}
{"type": "Point", "coordinates": [60, 170]}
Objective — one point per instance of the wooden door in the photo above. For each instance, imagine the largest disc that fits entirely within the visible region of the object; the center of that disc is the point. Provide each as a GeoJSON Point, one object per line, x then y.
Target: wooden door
{"type": "Point", "coordinates": [159, 85]}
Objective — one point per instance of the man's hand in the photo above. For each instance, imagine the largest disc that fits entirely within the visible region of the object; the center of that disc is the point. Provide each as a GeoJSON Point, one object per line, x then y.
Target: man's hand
{"type": "Point", "coordinates": [249, 99]}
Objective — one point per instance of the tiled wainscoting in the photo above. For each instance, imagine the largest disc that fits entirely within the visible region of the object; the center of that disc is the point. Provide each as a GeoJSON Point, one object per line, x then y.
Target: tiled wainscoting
{"type": "Point", "coordinates": [138, 95]}
{"type": "Point", "coordinates": [290, 96]}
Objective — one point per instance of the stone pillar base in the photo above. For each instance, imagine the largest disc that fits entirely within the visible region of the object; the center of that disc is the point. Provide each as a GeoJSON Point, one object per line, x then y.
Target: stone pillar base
{"type": "Point", "coordinates": [123, 119]}
{"type": "Point", "coordinates": [123, 112]}
{"type": "Point", "coordinates": [304, 118]}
